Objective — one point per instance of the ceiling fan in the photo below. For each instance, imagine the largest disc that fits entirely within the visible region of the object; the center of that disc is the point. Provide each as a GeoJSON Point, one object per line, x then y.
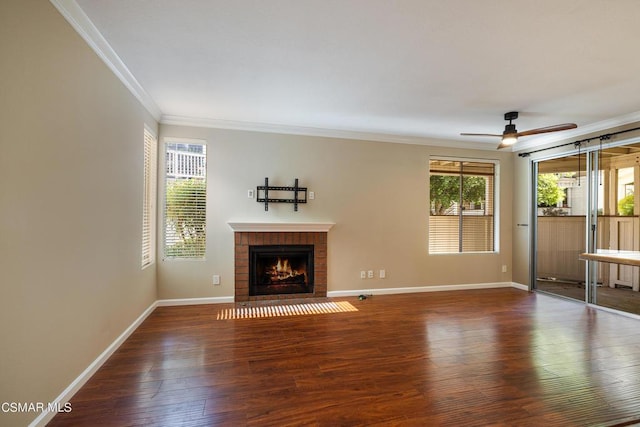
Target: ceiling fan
{"type": "Point", "coordinates": [510, 134]}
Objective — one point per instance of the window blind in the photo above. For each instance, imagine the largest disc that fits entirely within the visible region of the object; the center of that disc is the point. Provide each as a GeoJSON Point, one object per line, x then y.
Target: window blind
{"type": "Point", "coordinates": [185, 200]}
{"type": "Point", "coordinates": [461, 195]}
{"type": "Point", "coordinates": [149, 195]}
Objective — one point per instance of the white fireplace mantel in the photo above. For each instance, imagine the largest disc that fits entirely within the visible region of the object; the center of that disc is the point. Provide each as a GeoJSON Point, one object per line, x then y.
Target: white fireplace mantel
{"type": "Point", "coordinates": [312, 227]}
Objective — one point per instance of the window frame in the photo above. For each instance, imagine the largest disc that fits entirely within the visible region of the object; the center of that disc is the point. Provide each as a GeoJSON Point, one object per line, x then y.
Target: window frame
{"type": "Point", "coordinates": [496, 203]}
{"type": "Point", "coordinates": [165, 181]}
{"type": "Point", "coordinates": [149, 197]}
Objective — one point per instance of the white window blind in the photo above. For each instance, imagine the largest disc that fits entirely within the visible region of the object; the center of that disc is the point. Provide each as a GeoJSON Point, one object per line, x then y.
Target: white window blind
{"type": "Point", "coordinates": [185, 200]}
{"type": "Point", "coordinates": [149, 199]}
{"type": "Point", "coordinates": [461, 195]}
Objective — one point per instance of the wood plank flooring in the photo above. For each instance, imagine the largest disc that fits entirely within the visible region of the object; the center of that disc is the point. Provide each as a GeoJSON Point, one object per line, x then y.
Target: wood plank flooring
{"type": "Point", "coordinates": [501, 357]}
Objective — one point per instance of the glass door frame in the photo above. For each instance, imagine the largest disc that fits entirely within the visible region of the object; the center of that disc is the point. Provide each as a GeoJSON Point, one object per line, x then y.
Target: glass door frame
{"type": "Point", "coordinates": [533, 222]}
{"type": "Point", "coordinates": [591, 267]}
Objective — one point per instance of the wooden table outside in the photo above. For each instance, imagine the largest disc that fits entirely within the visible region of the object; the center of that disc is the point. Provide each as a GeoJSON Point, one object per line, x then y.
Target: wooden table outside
{"type": "Point", "coordinates": [613, 256]}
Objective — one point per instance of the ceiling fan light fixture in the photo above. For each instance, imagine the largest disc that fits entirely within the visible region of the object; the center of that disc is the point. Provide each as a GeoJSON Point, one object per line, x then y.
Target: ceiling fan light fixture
{"type": "Point", "coordinates": [510, 134]}
{"type": "Point", "coordinates": [509, 139]}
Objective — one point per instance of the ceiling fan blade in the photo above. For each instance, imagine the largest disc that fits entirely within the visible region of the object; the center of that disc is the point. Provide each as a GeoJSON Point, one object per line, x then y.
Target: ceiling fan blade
{"type": "Point", "coordinates": [481, 134]}
{"type": "Point", "coordinates": [554, 128]}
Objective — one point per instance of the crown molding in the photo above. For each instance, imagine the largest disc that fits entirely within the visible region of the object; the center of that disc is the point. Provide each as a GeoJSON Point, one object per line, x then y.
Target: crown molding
{"type": "Point", "coordinates": [603, 125]}
{"type": "Point", "coordinates": [322, 132]}
{"type": "Point", "coordinates": [80, 22]}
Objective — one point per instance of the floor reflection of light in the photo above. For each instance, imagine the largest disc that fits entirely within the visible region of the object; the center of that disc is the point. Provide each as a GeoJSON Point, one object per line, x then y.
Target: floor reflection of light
{"type": "Point", "coordinates": [469, 339]}
{"type": "Point", "coordinates": [178, 351]}
{"type": "Point", "coordinates": [285, 310]}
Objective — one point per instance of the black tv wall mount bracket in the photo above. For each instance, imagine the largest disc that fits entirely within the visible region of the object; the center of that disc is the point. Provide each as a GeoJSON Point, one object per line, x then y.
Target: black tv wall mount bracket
{"type": "Point", "coordinates": [299, 194]}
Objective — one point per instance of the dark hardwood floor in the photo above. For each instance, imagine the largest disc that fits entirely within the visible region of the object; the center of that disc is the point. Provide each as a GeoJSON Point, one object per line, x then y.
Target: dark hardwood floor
{"type": "Point", "coordinates": [500, 357]}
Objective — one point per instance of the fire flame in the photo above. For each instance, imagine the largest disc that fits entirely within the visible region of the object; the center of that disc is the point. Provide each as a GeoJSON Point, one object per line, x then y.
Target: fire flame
{"type": "Point", "coordinates": [282, 266]}
{"type": "Point", "coordinates": [282, 270]}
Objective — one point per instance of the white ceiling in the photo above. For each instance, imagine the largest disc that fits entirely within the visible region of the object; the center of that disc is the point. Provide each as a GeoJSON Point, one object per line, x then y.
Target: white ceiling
{"type": "Point", "coordinates": [398, 70]}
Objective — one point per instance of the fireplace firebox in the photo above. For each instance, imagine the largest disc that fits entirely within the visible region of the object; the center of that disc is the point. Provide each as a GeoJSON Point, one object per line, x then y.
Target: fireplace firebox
{"type": "Point", "coordinates": [280, 269]}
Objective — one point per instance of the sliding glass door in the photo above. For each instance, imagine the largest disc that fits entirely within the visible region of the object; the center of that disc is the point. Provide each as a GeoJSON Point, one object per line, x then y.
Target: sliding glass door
{"type": "Point", "coordinates": [561, 196]}
{"type": "Point", "coordinates": [585, 203]}
{"type": "Point", "coordinates": [617, 227]}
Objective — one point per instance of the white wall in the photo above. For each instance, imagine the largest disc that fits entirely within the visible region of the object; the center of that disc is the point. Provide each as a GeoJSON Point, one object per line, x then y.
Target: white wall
{"type": "Point", "coordinates": [71, 159]}
{"type": "Point", "coordinates": [376, 193]}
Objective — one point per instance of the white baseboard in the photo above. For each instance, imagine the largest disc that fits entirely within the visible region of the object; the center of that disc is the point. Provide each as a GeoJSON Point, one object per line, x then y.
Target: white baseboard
{"type": "Point", "coordinates": [520, 286]}
{"type": "Point", "coordinates": [64, 397]}
{"type": "Point", "coordinates": [193, 301]}
{"type": "Point", "coordinates": [415, 289]}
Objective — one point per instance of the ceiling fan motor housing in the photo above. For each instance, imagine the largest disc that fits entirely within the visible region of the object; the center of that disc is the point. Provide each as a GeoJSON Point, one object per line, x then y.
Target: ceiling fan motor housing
{"type": "Point", "coordinates": [509, 129]}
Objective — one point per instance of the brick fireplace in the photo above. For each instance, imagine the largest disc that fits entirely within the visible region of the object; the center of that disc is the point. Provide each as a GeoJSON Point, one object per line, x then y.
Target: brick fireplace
{"type": "Point", "coordinates": [249, 236]}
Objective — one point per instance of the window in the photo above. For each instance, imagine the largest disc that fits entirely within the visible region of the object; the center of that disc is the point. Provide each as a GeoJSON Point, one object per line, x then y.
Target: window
{"type": "Point", "coordinates": [185, 199]}
{"type": "Point", "coordinates": [461, 195]}
{"type": "Point", "coordinates": [149, 199]}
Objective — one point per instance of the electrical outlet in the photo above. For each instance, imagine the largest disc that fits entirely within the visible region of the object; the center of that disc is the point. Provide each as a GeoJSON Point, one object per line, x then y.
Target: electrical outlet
{"type": "Point", "coordinates": [363, 274]}
{"type": "Point", "coordinates": [370, 274]}
{"type": "Point", "coordinates": [250, 194]}
{"type": "Point", "coordinates": [216, 279]}
{"type": "Point", "coordinates": [382, 274]}
{"type": "Point", "coordinates": [312, 195]}
{"type": "Point", "coordinates": [504, 268]}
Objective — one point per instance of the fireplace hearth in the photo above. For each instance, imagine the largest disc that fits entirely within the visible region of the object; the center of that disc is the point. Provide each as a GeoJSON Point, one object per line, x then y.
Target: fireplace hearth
{"type": "Point", "coordinates": [281, 269]}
